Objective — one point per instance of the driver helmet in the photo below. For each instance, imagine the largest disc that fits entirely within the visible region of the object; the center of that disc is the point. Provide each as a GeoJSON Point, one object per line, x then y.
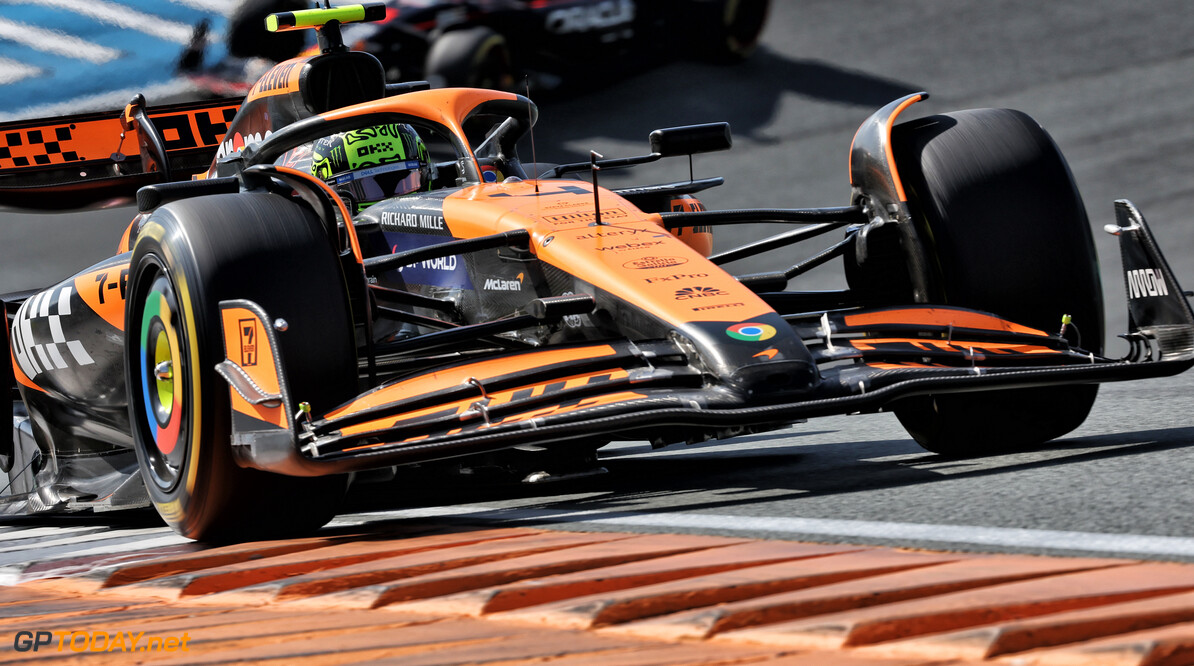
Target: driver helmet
{"type": "Point", "coordinates": [368, 165]}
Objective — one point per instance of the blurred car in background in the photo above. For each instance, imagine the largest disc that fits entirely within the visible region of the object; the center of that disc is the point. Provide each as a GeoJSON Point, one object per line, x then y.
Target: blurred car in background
{"type": "Point", "coordinates": [502, 44]}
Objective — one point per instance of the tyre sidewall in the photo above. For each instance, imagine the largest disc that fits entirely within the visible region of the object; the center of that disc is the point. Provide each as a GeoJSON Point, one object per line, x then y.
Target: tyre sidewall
{"type": "Point", "coordinates": [189, 501]}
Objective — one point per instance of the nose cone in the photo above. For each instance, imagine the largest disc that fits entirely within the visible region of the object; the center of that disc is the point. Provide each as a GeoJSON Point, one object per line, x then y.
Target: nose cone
{"type": "Point", "coordinates": [777, 378]}
{"type": "Point", "coordinates": [759, 359]}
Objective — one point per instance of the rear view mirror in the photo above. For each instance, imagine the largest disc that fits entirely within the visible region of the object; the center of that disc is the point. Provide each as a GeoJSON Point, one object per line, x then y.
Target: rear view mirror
{"type": "Point", "coordinates": [691, 139]}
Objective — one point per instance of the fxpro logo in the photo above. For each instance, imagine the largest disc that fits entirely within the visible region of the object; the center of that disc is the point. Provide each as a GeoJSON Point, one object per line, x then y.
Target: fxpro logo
{"type": "Point", "coordinates": [1146, 282]}
{"type": "Point", "coordinates": [607, 14]}
{"type": "Point", "coordinates": [675, 276]}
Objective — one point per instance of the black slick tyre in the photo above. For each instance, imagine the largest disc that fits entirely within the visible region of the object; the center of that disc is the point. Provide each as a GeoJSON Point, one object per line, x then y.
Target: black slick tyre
{"type": "Point", "coordinates": [474, 57]}
{"type": "Point", "coordinates": [728, 31]}
{"type": "Point", "coordinates": [188, 256]}
{"type": "Point", "coordinates": [1007, 233]}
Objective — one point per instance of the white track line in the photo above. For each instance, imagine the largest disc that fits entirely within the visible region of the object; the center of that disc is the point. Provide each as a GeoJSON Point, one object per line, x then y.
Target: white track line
{"type": "Point", "coordinates": [221, 7]}
{"type": "Point", "coordinates": [1089, 542]}
{"type": "Point", "coordinates": [56, 42]}
{"type": "Point", "coordinates": [104, 534]}
{"type": "Point", "coordinates": [12, 71]}
{"type": "Point", "coordinates": [120, 16]}
{"type": "Point", "coordinates": [113, 100]}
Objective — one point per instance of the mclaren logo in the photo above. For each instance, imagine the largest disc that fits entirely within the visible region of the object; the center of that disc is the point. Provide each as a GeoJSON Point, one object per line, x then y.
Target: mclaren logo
{"type": "Point", "coordinates": [698, 292]}
{"type": "Point", "coordinates": [497, 284]}
{"type": "Point", "coordinates": [1146, 282]}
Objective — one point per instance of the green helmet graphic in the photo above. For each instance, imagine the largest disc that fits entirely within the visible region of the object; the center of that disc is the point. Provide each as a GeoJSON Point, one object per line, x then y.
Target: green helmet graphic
{"type": "Point", "coordinates": [368, 165]}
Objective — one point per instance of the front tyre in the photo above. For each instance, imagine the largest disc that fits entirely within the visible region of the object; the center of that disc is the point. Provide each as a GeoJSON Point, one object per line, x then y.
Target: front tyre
{"type": "Point", "coordinates": [188, 256]}
{"type": "Point", "coordinates": [474, 57]}
{"type": "Point", "coordinates": [727, 31]}
{"type": "Point", "coordinates": [1007, 233]}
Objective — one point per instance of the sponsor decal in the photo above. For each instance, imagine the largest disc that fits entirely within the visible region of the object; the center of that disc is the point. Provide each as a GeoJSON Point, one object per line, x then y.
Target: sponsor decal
{"type": "Point", "coordinates": [449, 271]}
{"type": "Point", "coordinates": [277, 79]}
{"type": "Point", "coordinates": [1146, 282]}
{"type": "Point", "coordinates": [599, 16]}
{"type": "Point", "coordinates": [627, 247]}
{"type": "Point", "coordinates": [586, 216]}
{"type": "Point", "coordinates": [718, 306]}
{"type": "Point", "coordinates": [645, 263]}
{"type": "Point", "coordinates": [448, 263]}
{"type": "Point", "coordinates": [399, 221]}
{"type": "Point", "coordinates": [571, 321]}
{"type": "Point", "coordinates": [675, 276]}
{"type": "Point", "coordinates": [237, 142]}
{"type": "Point", "coordinates": [248, 342]}
{"type": "Point", "coordinates": [699, 292]}
{"type": "Point", "coordinates": [688, 204]}
{"type": "Point", "coordinates": [751, 331]}
{"type": "Point", "coordinates": [498, 284]}
{"type": "Point", "coordinates": [603, 233]}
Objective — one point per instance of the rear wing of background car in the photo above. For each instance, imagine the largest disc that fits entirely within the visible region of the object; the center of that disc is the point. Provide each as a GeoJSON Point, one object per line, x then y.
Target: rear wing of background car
{"type": "Point", "coordinates": [77, 161]}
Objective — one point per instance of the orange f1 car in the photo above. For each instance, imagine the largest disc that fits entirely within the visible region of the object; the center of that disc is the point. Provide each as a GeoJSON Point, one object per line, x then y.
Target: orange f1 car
{"type": "Point", "coordinates": [300, 311]}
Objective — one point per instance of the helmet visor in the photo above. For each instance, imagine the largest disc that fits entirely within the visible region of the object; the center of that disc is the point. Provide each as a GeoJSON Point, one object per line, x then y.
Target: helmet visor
{"type": "Point", "coordinates": [372, 184]}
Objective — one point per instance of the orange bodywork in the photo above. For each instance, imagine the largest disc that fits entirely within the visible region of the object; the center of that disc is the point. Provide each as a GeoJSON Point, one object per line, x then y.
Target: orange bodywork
{"type": "Point", "coordinates": [629, 253]}
{"type": "Point", "coordinates": [939, 317]}
{"type": "Point", "coordinates": [481, 371]}
{"type": "Point", "coordinates": [281, 80]}
{"type": "Point", "coordinates": [498, 398]}
{"type": "Point", "coordinates": [97, 138]}
{"type": "Point", "coordinates": [103, 291]}
{"type": "Point", "coordinates": [248, 346]}
{"type": "Point", "coordinates": [956, 346]}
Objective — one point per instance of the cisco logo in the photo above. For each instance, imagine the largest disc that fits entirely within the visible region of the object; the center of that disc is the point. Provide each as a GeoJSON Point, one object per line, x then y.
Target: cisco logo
{"type": "Point", "coordinates": [1146, 282]}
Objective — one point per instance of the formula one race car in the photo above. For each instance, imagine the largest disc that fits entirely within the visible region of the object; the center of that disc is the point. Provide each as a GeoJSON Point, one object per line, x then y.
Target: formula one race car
{"type": "Point", "coordinates": [495, 43]}
{"type": "Point", "coordinates": [367, 277]}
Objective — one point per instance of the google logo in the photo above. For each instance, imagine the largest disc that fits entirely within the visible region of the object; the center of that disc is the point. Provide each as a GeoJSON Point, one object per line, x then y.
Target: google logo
{"type": "Point", "coordinates": [751, 332]}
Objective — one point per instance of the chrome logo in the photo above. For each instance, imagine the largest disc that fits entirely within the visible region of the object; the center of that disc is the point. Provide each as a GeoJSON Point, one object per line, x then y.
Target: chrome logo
{"type": "Point", "coordinates": [751, 331]}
